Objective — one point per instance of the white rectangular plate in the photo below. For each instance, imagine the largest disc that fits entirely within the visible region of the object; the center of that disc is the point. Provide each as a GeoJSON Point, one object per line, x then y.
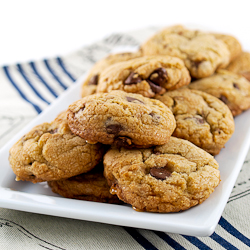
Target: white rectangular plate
{"type": "Point", "coordinates": [197, 221]}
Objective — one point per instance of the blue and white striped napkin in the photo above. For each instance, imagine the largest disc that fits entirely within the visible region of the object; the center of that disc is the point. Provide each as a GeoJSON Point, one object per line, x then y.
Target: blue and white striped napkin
{"type": "Point", "coordinates": [26, 89]}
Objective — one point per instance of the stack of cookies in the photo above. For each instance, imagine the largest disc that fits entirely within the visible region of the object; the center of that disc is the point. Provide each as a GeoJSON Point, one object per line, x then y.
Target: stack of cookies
{"type": "Point", "coordinates": [147, 127]}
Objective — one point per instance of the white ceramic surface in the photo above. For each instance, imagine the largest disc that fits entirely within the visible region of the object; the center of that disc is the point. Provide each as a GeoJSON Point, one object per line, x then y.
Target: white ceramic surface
{"type": "Point", "coordinates": [197, 221]}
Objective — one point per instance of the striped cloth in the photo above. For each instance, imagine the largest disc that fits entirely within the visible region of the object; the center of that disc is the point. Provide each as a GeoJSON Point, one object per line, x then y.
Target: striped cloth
{"type": "Point", "coordinates": [26, 90]}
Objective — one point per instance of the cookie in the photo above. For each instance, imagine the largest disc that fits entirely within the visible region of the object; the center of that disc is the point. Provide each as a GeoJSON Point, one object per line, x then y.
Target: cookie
{"type": "Point", "coordinates": [241, 65]}
{"type": "Point", "coordinates": [232, 43]}
{"type": "Point", "coordinates": [50, 151]}
{"type": "Point", "coordinates": [145, 75]}
{"type": "Point", "coordinates": [169, 178]}
{"type": "Point", "coordinates": [91, 186]}
{"type": "Point", "coordinates": [201, 52]}
{"type": "Point", "coordinates": [200, 118]}
{"type": "Point", "coordinates": [120, 118]}
{"type": "Point", "coordinates": [89, 86]}
{"type": "Point", "coordinates": [231, 88]}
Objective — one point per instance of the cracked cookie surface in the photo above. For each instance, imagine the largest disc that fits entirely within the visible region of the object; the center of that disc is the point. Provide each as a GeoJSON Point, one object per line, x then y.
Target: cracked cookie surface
{"type": "Point", "coordinates": [168, 178]}
{"type": "Point", "coordinates": [232, 44]}
{"type": "Point", "coordinates": [50, 151]}
{"type": "Point", "coordinates": [201, 52]}
{"type": "Point", "coordinates": [146, 75]}
{"type": "Point", "coordinates": [200, 118]}
{"type": "Point", "coordinates": [231, 88]}
{"type": "Point", "coordinates": [241, 65]}
{"type": "Point", "coordinates": [89, 86]}
{"type": "Point", "coordinates": [91, 186]}
{"type": "Point", "coordinates": [120, 118]}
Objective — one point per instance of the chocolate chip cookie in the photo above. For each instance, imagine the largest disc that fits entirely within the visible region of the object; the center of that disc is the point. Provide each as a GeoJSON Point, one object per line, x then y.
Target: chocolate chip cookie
{"type": "Point", "coordinates": [168, 178]}
{"type": "Point", "coordinates": [89, 86]}
{"type": "Point", "coordinates": [120, 118]}
{"type": "Point", "coordinates": [145, 75]}
{"type": "Point", "coordinates": [241, 65]}
{"type": "Point", "coordinates": [50, 151]}
{"type": "Point", "coordinates": [200, 118]}
{"type": "Point", "coordinates": [91, 186]}
{"type": "Point", "coordinates": [201, 52]}
{"type": "Point", "coordinates": [231, 88]}
{"type": "Point", "coordinates": [232, 43]}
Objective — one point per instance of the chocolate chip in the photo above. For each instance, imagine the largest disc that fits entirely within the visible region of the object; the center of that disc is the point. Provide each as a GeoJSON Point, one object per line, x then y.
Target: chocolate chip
{"type": "Point", "coordinates": [160, 173]}
{"type": "Point", "coordinates": [223, 98]}
{"type": "Point", "coordinates": [155, 88]}
{"type": "Point", "coordinates": [53, 131]}
{"type": "Point", "coordinates": [198, 120]}
{"type": "Point", "coordinates": [153, 114]}
{"type": "Point", "coordinates": [123, 141]}
{"type": "Point", "coordinates": [159, 76]}
{"type": "Point", "coordinates": [132, 99]}
{"type": "Point", "coordinates": [196, 63]}
{"type": "Point", "coordinates": [113, 128]}
{"type": "Point", "coordinates": [133, 78]}
{"type": "Point", "coordinates": [93, 80]}
{"type": "Point", "coordinates": [236, 86]}
{"type": "Point", "coordinates": [155, 117]}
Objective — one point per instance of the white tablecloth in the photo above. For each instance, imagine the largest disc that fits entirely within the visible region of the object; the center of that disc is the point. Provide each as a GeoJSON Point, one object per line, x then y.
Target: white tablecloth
{"type": "Point", "coordinates": [27, 89]}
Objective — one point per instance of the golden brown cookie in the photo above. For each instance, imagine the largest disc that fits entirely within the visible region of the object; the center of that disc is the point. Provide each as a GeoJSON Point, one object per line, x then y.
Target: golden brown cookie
{"type": "Point", "coordinates": [50, 151]}
{"type": "Point", "coordinates": [146, 75]}
{"type": "Point", "coordinates": [201, 52]}
{"type": "Point", "coordinates": [91, 186]}
{"type": "Point", "coordinates": [241, 65]}
{"type": "Point", "coordinates": [231, 88]}
{"type": "Point", "coordinates": [89, 86]}
{"type": "Point", "coordinates": [124, 119]}
{"type": "Point", "coordinates": [200, 118]}
{"type": "Point", "coordinates": [232, 43]}
{"type": "Point", "coordinates": [169, 178]}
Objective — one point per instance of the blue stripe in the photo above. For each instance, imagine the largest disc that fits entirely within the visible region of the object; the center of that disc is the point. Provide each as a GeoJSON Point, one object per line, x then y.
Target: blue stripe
{"type": "Point", "coordinates": [232, 230]}
{"type": "Point", "coordinates": [60, 62]}
{"type": "Point", "coordinates": [174, 244]}
{"type": "Point", "coordinates": [33, 66]}
{"type": "Point", "coordinates": [140, 239]}
{"type": "Point", "coordinates": [195, 241]}
{"type": "Point", "coordinates": [37, 108]}
{"type": "Point", "coordinates": [222, 242]}
{"type": "Point", "coordinates": [20, 69]}
{"type": "Point", "coordinates": [53, 73]}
